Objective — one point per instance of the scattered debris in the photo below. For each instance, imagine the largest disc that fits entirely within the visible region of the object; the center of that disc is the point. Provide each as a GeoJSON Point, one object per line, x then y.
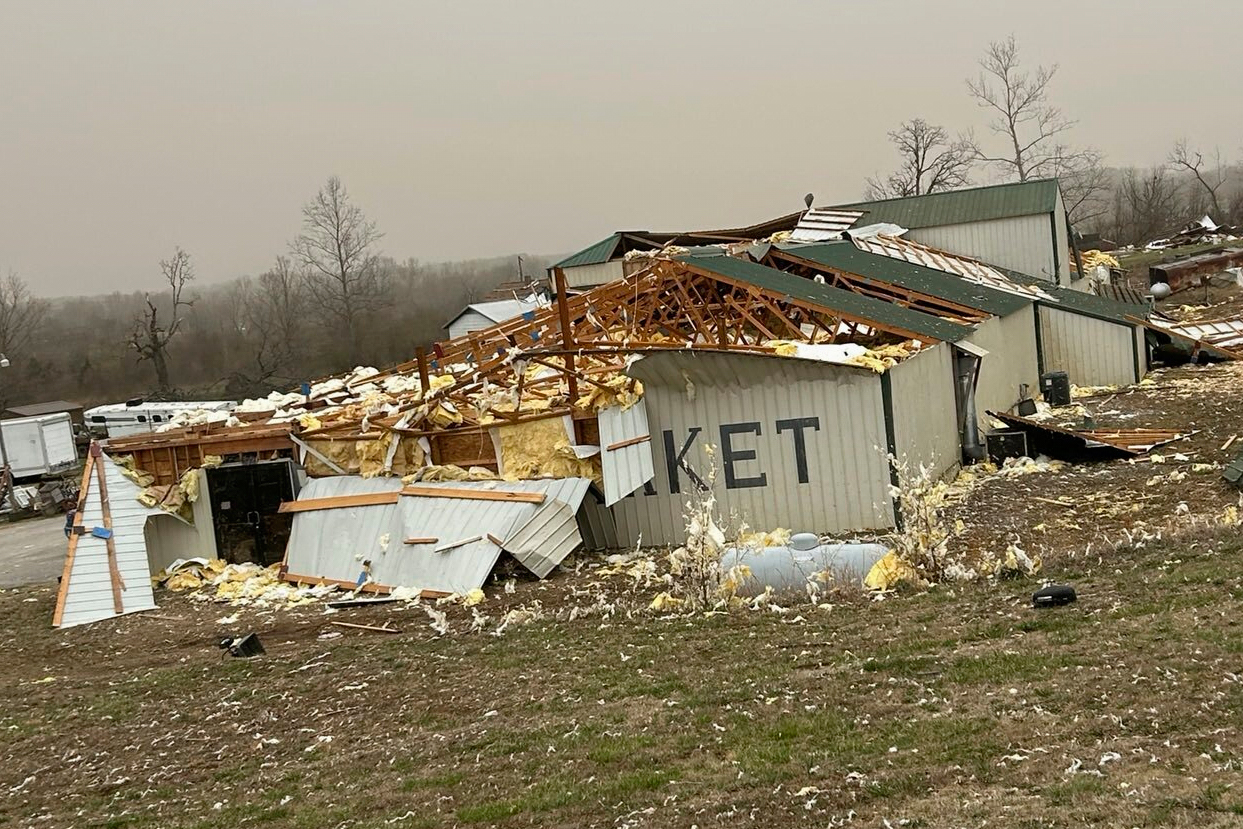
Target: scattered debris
{"type": "Point", "coordinates": [1054, 595]}
{"type": "Point", "coordinates": [242, 646]}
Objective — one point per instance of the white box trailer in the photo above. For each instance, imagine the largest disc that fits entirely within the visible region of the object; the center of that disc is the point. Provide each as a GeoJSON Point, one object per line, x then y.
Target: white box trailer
{"type": "Point", "coordinates": [40, 445]}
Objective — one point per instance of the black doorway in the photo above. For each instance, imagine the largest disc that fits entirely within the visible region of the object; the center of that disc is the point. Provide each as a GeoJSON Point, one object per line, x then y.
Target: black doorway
{"type": "Point", "coordinates": [244, 502]}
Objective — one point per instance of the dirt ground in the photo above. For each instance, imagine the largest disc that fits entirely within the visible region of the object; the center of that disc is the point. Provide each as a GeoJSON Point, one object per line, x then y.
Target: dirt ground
{"type": "Point", "coordinates": [958, 705]}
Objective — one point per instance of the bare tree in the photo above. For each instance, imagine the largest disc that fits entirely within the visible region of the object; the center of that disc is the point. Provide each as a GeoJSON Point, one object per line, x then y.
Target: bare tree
{"type": "Point", "coordinates": [1149, 202]}
{"type": "Point", "coordinates": [1211, 176]}
{"type": "Point", "coordinates": [266, 320]}
{"type": "Point", "coordinates": [337, 250]}
{"type": "Point", "coordinates": [1021, 113]}
{"type": "Point", "coordinates": [21, 314]}
{"type": "Point", "coordinates": [150, 336]}
{"type": "Point", "coordinates": [1032, 129]}
{"type": "Point", "coordinates": [1085, 185]}
{"type": "Point", "coordinates": [931, 162]}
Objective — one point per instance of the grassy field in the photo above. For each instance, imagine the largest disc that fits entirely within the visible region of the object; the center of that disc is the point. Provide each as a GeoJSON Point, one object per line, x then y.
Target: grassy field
{"type": "Point", "coordinates": [953, 707]}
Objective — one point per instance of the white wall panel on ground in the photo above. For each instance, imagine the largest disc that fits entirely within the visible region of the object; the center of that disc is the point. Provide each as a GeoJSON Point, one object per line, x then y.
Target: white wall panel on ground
{"type": "Point", "coordinates": [88, 594]}
{"type": "Point", "coordinates": [799, 444]}
{"type": "Point", "coordinates": [1022, 243]}
{"type": "Point", "coordinates": [925, 415]}
{"type": "Point", "coordinates": [1091, 351]}
{"type": "Point", "coordinates": [334, 543]}
{"type": "Point", "coordinates": [1011, 360]}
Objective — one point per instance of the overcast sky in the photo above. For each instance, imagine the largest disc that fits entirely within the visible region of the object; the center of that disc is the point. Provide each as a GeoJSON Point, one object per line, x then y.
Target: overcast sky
{"type": "Point", "coordinates": [473, 129]}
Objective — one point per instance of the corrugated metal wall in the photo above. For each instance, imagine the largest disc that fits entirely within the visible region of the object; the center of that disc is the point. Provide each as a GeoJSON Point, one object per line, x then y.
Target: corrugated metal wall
{"type": "Point", "coordinates": [468, 322]}
{"type": "Point", "coordinates": [1011, 345]}
{"type": "Point", "coordinates": [925, 419]}
{"type": "Point", "coordinates": [1092, 351]}
{"type": "Point", "coordinates": [585, 276]}
{"type": "Point", "coordinates": [1023, 243]}
{"type": "Point", "coordinates": [766, 408]}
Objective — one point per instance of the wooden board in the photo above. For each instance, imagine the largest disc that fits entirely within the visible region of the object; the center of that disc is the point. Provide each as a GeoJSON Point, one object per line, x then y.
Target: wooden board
{"type": "Point", "coordinates": [366, 499]}
{"type": "Point", "coordinates": [474, 494]}
{"type": "Point", "coordinates": [114, 571]}
{"type": "Point", "coordinates": [63, 589]}
{"type": "Point", "coordinates": [622, 444]}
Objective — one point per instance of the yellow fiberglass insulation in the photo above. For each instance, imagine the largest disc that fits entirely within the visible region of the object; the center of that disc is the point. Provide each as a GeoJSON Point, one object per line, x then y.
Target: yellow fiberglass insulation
{"type": "Point", "coordinates": [619, 390]}
{"type": "Point", "coordinates": [541, 449]}
{"type": "Point", "coordinates": [372, 454]}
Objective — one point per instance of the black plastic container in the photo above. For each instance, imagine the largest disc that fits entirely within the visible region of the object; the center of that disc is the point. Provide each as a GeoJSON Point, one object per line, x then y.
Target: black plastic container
{"type": "Point", "coordinates": [1055, 386]}
{"type": "Point", "coordinates": [1005, 443]}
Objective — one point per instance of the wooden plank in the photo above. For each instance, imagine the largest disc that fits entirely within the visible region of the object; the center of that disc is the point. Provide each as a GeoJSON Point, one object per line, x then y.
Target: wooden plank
{"type": "Point", "coordinates": [320, 456]}
{"type": "Point", "coordinates": [114, 572]}
{"type": "Point", "coordinates": [474, 494]}
{"type": "Point", "coordinates": [453, 545]}
{"type": "Point", "coordinates": [62, 590]}
{"type": "Point", "coordinates": [373, 628]}
{"type": "Point", "coordinates": [431, 539]}
{"type": "Point", "coordinates": [366, 499]}
{"type": "Point", "coordinates": [622, 444]}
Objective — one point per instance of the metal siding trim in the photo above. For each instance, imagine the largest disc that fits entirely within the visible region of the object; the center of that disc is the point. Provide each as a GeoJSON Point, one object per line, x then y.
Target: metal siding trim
{"type": "Point", "coordinates": [1036, 315]}
{"type": "Point", "coordinates": [891, 442]}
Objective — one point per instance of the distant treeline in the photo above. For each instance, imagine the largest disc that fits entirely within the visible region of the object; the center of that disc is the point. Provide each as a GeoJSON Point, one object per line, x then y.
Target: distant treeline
{"type": "Point", "coordinates": [239, 338]}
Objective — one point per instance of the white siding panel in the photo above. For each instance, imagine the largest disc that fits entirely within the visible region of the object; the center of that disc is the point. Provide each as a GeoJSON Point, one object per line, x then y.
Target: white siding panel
{"type": "Point", "coordinates": [1022, 243]}
{"type": "Point", "coordinates": [168, 538]}
{"type": "Point", "coordinates": [467, 322]}
{"type": "Point", "coordinates": [626, 468]}
{"type": "Point", "coordinates": [88, 595]}
{"type": "Point", "coordinates": [1091, 351]}
{"type": "Point", "coordinates": [587, 276]}
{"type": "Point", "coordinates": [1011, 345]}
{"type": "Point", "coordinates": [925, 419]}
{"type": "Point", "coordinates": [843, 483]}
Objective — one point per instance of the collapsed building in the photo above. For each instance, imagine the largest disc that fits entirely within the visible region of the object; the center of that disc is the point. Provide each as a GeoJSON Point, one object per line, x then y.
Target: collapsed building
{"type": "Point", "coordinates": [790, 372]}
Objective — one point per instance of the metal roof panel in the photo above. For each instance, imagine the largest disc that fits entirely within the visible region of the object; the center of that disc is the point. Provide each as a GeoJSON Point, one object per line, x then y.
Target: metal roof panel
{"type": "Point", "coordinates": [973, 204]}
{"type": "Point", "coordinates": [876, 312]}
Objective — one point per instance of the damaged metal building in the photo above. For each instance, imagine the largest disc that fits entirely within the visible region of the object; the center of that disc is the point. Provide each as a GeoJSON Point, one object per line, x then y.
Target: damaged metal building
{"type": "Point", "coordinates": [785, 366]}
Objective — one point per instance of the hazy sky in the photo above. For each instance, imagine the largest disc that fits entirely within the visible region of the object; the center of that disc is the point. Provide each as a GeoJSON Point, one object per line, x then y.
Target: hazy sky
{"type": "Point", "coordinates": [471, 129]}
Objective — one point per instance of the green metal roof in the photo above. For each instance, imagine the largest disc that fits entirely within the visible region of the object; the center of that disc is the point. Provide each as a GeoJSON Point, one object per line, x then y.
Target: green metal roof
{"type": "Point", "coordinates": [1092, 305]}
{"type": "Point", "coordinates": [845, 257]}
{"type": "Point", "coordinates": [975, 204]}
{"type": "Point", "coordinates": [601, 251]}
{"type": "Point", "coordinates": [882, 314]}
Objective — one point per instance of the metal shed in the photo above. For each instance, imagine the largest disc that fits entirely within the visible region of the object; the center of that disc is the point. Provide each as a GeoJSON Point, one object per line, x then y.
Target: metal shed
{"type": "Point", "coordinates": [1021, 226]}
{"type": "Point", "coordinates": [480, 315]}
{"type": "Point", "coordinates": [1090, 339]}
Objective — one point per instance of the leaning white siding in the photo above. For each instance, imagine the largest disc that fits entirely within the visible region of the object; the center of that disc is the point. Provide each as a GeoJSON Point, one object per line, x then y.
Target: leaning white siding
{"type": "Point", "coordinates": [1022, 243]}
{"type": "Point", "coordinates": [586, 276]}
{"type": "Point", "coordinates": [925, 419]}
{"type": "Point", "coordinates": [846, 485]}
{"type": "Point", "coordinates": [1011, 361]}
{"type": "Point", "coordinates": [1091, 351]}
{"type": "Point", "coordinates": [88, 596]}
{"type": "Point", "coordinates": [467, 322]}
